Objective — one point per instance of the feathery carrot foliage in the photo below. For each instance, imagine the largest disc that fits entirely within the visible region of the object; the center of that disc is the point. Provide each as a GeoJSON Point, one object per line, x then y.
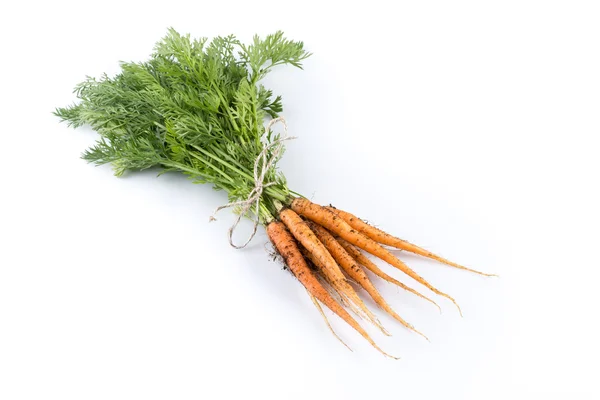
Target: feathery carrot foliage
{"type": "Point", "coordinates": [195, 106]}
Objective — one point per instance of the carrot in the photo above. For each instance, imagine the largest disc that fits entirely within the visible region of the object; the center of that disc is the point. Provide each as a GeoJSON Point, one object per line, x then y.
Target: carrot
{"type": "Point", "coordinates": [351, 268]}
{"type": "Point", "coordinates": [385, 238]}
{"type": "Point", "coordinates": [287, 247]}
{"type": "Point", "coordinates": [331, 221]}
{"type": "Point", "coordinates": [370, 265]}
{"type": "Point", "coordinates": [346, 295]}
{"type": "Point", "coordinates": [325, 261]}
{"type": "Point", "coordinates": [315, 266]}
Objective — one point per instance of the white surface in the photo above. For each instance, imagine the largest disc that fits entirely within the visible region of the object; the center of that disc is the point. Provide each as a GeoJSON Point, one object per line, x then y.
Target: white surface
{"type": "Point", "coordinates": [467, 127]}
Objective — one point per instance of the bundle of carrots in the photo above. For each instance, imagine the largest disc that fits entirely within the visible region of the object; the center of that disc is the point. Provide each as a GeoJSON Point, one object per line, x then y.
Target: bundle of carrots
{"type": "Point", "coordinates": [331, 240]}
{"type": "Point", "coordinates": [198, 107]}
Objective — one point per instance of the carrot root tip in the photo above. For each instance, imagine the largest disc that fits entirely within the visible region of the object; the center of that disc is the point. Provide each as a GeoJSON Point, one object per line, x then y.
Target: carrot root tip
{"type": "Point", "coordinates": [425, 337]}
{"type": "Point", "coordinates": [452, 300]}
{"type": "Point", "coordinates": [384, 353]}
{"type": "Point", "coordinates": [316, 303]}
{"type": "Point", "coordinates": [459, 310]}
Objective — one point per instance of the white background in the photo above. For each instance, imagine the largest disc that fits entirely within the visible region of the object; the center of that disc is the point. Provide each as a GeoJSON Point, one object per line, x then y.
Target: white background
{"type": "Point", "coordinates": [467, 127]}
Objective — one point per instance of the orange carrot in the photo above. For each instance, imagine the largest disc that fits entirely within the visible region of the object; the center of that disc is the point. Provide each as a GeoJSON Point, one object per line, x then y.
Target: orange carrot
{"type": "Point", "coordinates": [331, 221]}
{"type": "Point", "coordinates": [315, 266]}
{"type": "Point", "coordinates": [371, 266]}
{"type": "Point", "coordinates": [385, 238]}
{"type": "Point", "coordinates": [325, 261]}
{"type": "Point", "coordinates": [351, 268]}
{"type": "Point", "coordinates": [287, 247]}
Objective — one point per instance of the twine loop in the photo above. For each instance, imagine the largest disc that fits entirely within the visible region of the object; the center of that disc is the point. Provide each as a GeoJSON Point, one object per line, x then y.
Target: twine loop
{"type": "Point", "coordinates": [262, 165]}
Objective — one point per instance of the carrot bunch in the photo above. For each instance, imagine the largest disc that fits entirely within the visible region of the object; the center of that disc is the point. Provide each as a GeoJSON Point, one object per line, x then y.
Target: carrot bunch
{"type": "Point", "coordinates": [331, 240]}
{"type": "Point", "coordinates": [197, 107]}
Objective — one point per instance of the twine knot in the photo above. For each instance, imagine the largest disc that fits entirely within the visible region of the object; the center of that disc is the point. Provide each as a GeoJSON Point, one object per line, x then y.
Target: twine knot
{"type": "Point", "coordinates": [262, 165]}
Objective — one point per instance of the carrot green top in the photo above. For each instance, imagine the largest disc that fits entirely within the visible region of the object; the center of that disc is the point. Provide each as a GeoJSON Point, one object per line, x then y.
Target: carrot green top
{"type": "Point", "coordinates": [196, 107]}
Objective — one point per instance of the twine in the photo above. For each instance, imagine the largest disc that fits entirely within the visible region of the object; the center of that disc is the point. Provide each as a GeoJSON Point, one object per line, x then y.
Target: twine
{"type": "Point", "coordinates": [262, 165]}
